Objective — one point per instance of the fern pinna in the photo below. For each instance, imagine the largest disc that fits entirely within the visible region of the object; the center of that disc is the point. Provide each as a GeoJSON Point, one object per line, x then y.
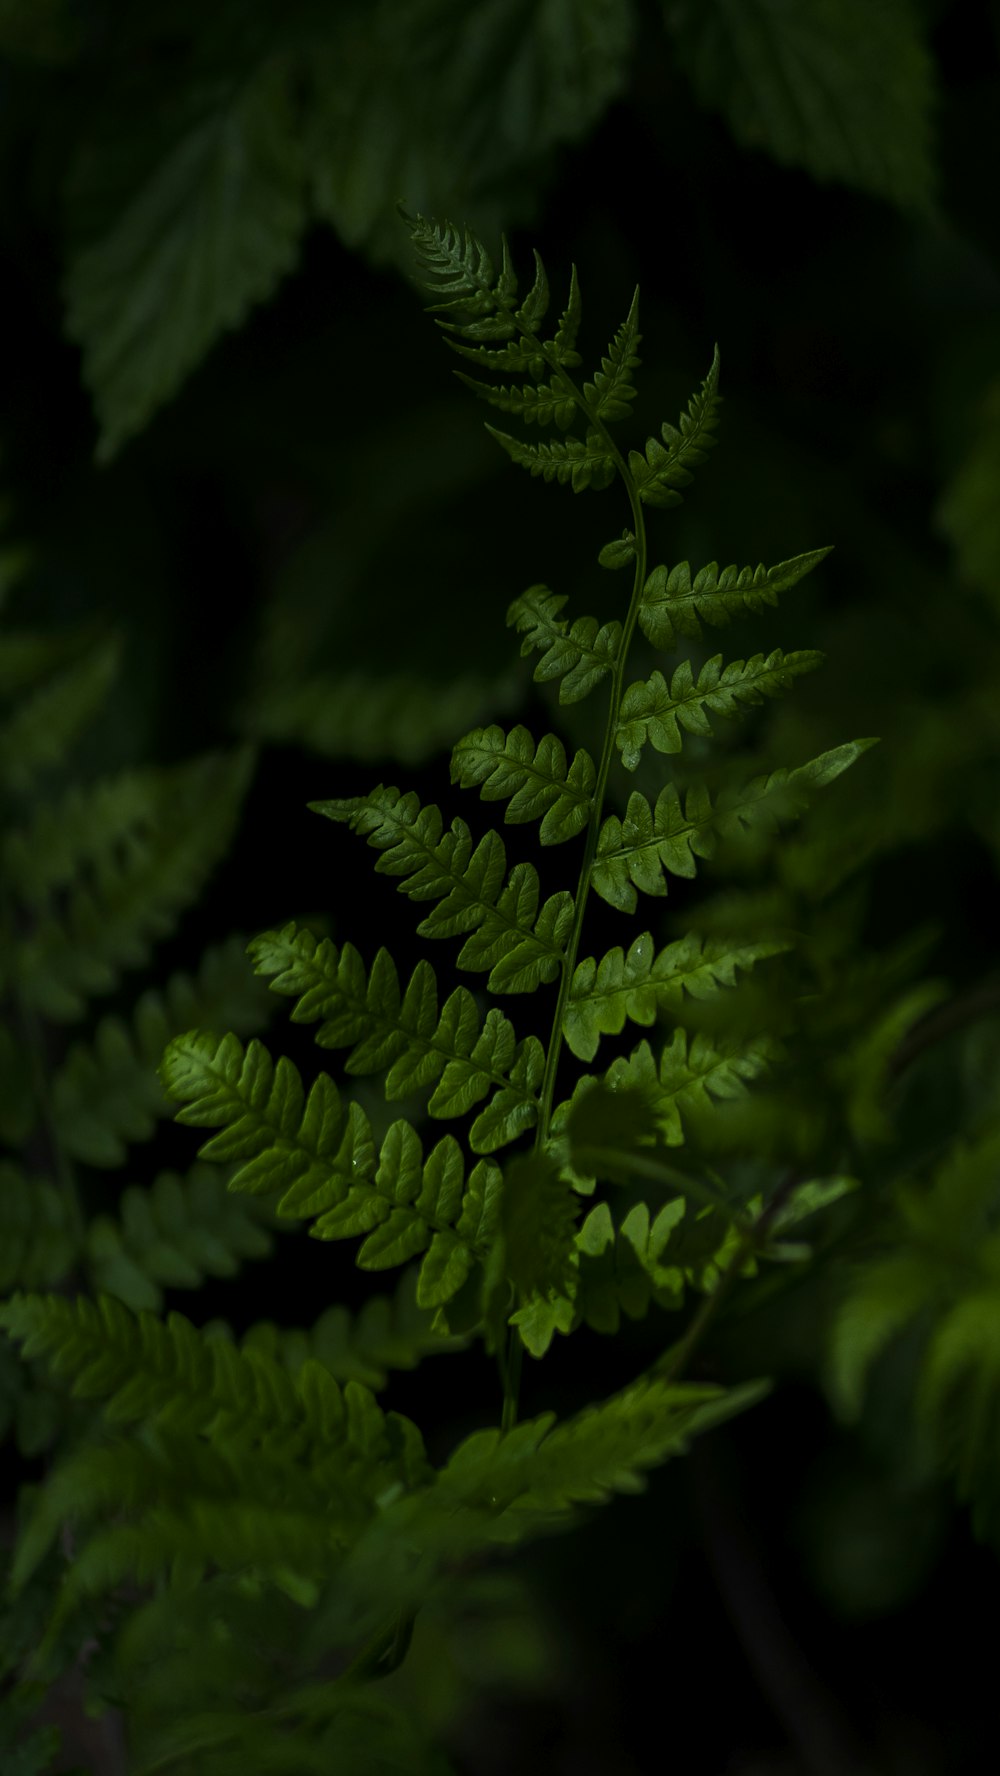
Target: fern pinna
{"type": "Point", "coordinates": [246, 1468]}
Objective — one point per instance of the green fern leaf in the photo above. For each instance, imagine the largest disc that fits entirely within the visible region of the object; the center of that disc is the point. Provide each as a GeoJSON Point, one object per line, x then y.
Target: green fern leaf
{"type": "Point", "coordinates": [668, 466]}
{"type": "Point", "coordinates": [457, 267]}
{"type": "Point", "coordinates": [538, 1226]}
{"type": "Point", "coordinates": [674, 605]}
{"type": "Point", "coordinates": [612, 392]}
{"type": "Point", "coordinates": [580, 654]}
{"type": "Point", "coordinates": [39, 1231]}
{"type": "Point", "coordinates": [172, 1236]}
{"type": "Point", "coordinates": [624, 1269]}
{"type": "Point", "coordinates": [502, 1489]}
{"type": "Point", "coordinates": [547, 404]}
{"type": "Point", "coordinates": [808, 85]}
{"type": "Point", "coordinates": [171, 1374]}
{"type": "Point", "coordinates": [208, 233]}
{"type": "Point", "coordinates": [325, 1162]}
{"type": "Point", "coordinates": [635, 853]}
{"type": "Point", "coordinates": [564, 343]}
{"type": "Point", "coordinates": [372, 716]}
{"type": "Point", "coordinates": [640, 985]}
{"type": "Point", "coordinates": [690, 1073]}
{"type": "Point", "coordinates": [38, 733]}
{"type": "Point", "coordinates": [543, 1470]}
{"type": "Point", "coordinates": [655, 712]}
{"type": "Point", "coordinates": [166, 831]}
{"type": "Point", "coordinates": [520, 944]}
{"type": "Point", "coordinates": [389, 1332]}
{"type": "Point", "coordinates": [463, 1055]}
{"type": "Point", "coordinates": [107, 1092]}
{"type": "Point", "coordinates": [581, 462]}
{"type": "Point", "coordinates": [533, 779]}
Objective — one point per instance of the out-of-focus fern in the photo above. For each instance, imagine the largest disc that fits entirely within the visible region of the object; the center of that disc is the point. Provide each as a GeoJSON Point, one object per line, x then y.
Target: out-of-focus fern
{"type": "Point", "coordinates": [936, 1275]}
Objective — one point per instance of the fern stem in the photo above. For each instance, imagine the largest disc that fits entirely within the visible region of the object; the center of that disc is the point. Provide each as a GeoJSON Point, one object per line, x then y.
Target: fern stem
{"type": "Point", "coordinates": [554, 1048]}
{"type": "Point", "coordinates": [512, 1380]}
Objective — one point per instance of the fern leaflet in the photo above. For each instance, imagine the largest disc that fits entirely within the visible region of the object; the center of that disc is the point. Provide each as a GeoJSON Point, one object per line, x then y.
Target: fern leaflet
{"type": "Point", "coordinates": [519, 942]}
{"type": "Point", "coordinates": [458, 1051]}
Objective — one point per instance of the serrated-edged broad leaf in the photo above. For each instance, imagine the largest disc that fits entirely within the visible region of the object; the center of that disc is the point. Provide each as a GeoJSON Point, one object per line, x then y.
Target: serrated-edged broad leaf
{"type": "Point", "coordinates": [654, 711]}
{"type": "Point", "coordinates": [437, 97]}
{"type": "Point", "coordinates": [578, 462]}
{"type": "Point", "coordinates": [210, 231]}
{"type": "Point", "coordinates": [580, 654]}
{"type": "Point", "coordinates": [132, 853]}
{"type": "Point", "coordinates": [535, 781]}
{"type": "Point", "coordinates": [674, 605]}
{"type": "Point", "coordinates": [519, 942]}
{"type": "Point", "coordinates": [458, 1051]}
{"type": "Point", "coordinates": [172, 1235]}
{"type": "Point", "coordinates": [635, 853]}
{"type": "Point", "coordinates": [107, 1092]}
{"type": "Point", "coordinates": [612, 391]}
{"type": "Point", "coordinates": [691, 1072]}
{"type": "Point", "coordinates": [38, 732]}
{"type": "Point", "coordinates": [665, 468]}
{"type": "Point", "coordinates": [642, 983]}
{"type": "Point", "coordinates": [837, 87]}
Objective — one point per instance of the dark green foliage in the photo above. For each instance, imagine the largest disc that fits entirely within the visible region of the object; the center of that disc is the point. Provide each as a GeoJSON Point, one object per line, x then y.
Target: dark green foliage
{"type": "Point", "coordinates": [792, 1158]}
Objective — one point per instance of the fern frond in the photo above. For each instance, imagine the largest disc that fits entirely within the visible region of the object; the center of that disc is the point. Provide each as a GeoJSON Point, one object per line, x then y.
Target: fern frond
{"type": "Point", "coordinates": [547, 404]}
{"type": "Point", "coordinates": [388, 1332]}
{"type": "Point", "coordinates": [538, 1221]}
{"type": "Point", "coordinates": [636, 853]}
{"type": "Point", "coordinates": [325, 1162]}
{"type": "Point", "coordinates": [38, 732]}
{"type": "Point", "coordinates": [581, 462]}
{"type": "Point", "coordinates": [623, 1269]}
{"type": "Point", "coordinates": [674, 605]}
{"type": "Point", "coordinates": [138, 873]}
{"type": "Point", "coordinates": [690, 1073]}
{"type": "Point", "coordinates": [172, 1235]}
{"type": "Point", "coordinates": [668, 466]}
{"type": "Point", "coordinates": [533, 779]}
{"type": "Point", "coordinates": [107, 1092]}
{"type": "Point", "coordinates": [457, 267]}
{"type": "Point", "coordinates": [172, 1375]}
{"type": "Point", "coordinates": [371, 715]}
{"type": "Point", "coordinates": [653, 711]}
{"type": "Point", "coordinates": [544, 1470]}
{"type": "Point", "coordinates": [580, 654]}
{"type": "Point", "coordinates": [641, 984]}
{"type": "Point", "coordinates": [39, 1231]}
{"type": "Point", "coordinates": [612, 392]}
{"type": "Point", "coordinates": [458, 1051]}
{"type": "Point", "coordinates": [498, 1490]}
{"type": "Point", "coordinates": [519, 943]}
